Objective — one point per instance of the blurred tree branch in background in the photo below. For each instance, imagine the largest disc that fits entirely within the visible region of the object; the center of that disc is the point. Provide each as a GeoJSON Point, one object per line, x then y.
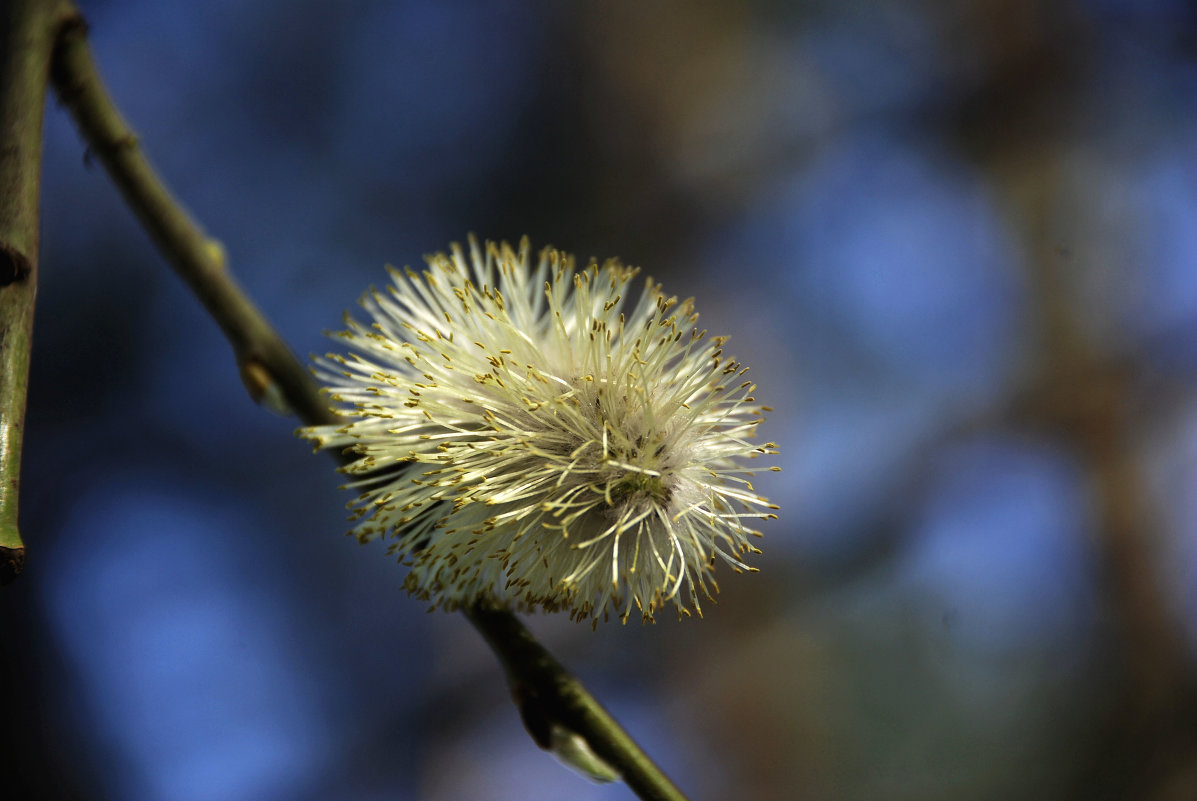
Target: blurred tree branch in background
{"type": "Point", "coordinates": [1016, 125]}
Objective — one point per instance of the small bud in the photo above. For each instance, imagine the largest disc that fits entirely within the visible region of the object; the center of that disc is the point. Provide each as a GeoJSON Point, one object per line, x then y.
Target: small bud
{"type": "Point", "coordinates": [574, 752]}
{"type": "Point", "coordinates": [263, 388]}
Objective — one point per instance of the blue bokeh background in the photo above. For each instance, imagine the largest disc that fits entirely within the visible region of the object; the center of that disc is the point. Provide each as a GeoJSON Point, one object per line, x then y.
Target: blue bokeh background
{"type": "Point", "coordinates": [889, 207]}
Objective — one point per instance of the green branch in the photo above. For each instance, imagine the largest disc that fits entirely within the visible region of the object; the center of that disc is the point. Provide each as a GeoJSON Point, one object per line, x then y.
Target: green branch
{"type": "Point", "coordinates": [28, 29]}
{"type": "Point", "coordinates": [555, 706]}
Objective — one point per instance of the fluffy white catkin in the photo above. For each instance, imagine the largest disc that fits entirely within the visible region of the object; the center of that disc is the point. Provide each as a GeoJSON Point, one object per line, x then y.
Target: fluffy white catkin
{"type": "Point", "coordinates": [543, 437]}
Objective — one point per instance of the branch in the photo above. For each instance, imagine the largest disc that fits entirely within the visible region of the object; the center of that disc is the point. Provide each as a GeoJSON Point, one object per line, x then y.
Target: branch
{"type": "Point", "coordinates": [28, 29]}
{"type": "Point", "coordinates": [551, 700]}
{"type": "Point", "coordinates": [548, 695]}
{"type": "Point", "coordinates": [270, 371]}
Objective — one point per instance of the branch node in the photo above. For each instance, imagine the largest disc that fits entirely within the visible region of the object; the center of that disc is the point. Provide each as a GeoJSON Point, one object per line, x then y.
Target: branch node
{"type": "Point", "coordinates": [12, 562]}
{"type": "Point", "coordinates": [215, 252]}
{"type": "Point", "coordinates": [14, 265]}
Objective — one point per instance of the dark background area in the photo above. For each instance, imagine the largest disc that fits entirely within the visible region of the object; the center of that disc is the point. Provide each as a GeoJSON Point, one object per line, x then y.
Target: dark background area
{"type": "Point", "coordinates": [955, 241]}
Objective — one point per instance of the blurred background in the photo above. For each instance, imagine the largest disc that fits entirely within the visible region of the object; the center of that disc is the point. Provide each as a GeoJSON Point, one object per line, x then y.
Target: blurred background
{"type": "Point", "coordinates": [955, 241]}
